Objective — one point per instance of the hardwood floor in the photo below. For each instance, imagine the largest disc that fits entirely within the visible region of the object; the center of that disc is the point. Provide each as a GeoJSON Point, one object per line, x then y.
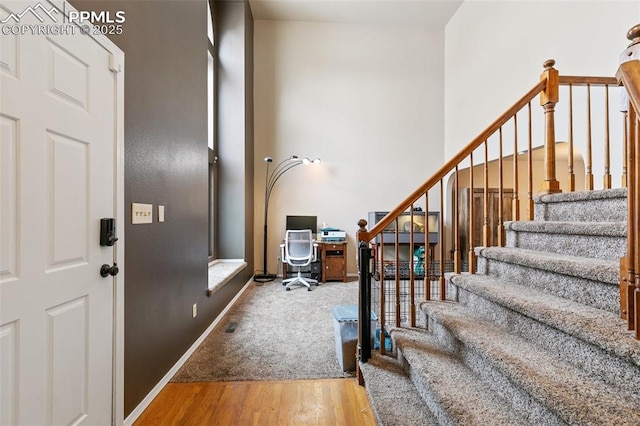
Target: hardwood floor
{"type": "Point", "coordinates": [286, 402]}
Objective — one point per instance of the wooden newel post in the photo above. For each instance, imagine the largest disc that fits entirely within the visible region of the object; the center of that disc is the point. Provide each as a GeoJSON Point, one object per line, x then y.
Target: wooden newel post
{"type": "Point", "coordinates": [630, 264]}
{"type": "Point", "coordinates": [548, 99]}
{"type": "Point", "coordinates": [362, 234]}
{"type": "Point", "coordinates": [363, 349]}
{"type": "Point", "coordinates": [633, 51]}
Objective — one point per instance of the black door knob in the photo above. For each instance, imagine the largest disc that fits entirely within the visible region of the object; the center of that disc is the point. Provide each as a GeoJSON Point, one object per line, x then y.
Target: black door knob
{"type": "Point", "coordinates": [107, 270]}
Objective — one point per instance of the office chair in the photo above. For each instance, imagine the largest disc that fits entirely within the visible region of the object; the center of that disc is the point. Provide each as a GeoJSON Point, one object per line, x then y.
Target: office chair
{"type": "Point", "coordinates": [299, 250]}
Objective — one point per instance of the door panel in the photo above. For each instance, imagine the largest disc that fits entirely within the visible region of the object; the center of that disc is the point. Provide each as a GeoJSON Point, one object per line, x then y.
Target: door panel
{"type": "Point", "coordinates": [58, 149]}
{"type": "Point", "coordinates": [69, 76]}
{"type": "Point", "coordinates": [8, 199]}
{"type": "Point", "coordinates": [8, 366]}
{"type": "Point", "coordinates": [8, 50]}
{"type": "Point", "coordinates": [68, 170]}
{"type": "Point", "coordinates": [67, 367]}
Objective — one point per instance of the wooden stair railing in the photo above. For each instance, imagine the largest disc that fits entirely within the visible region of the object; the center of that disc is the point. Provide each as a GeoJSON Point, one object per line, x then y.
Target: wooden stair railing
{"type": "Point", "coordinates": [628, 76]}
{"type": "Point", "coordinates": [389, 295]}
{"type": "Point", "coordinates": [398, 288]}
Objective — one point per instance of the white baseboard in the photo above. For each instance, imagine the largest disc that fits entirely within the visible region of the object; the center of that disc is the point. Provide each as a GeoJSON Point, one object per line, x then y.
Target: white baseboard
{"type": "Point", "coordinates": [133, 416]}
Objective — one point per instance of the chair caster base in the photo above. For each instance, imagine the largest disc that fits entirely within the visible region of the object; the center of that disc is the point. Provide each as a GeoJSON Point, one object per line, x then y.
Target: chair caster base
{"type": "Point", "coordinates": [288, 289]}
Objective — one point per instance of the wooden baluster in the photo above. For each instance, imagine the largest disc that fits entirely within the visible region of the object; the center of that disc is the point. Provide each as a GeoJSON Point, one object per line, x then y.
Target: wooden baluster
{"type": "Point", "coordinates": [625, 141]}
{"type": "Point", "coordinates": [486, 227]}
{"type": "Point", "coordinates": [397, 274]}
{"type": "Point", "coordinates": [412, 293]}
{"type": "Point", "coordinates": [515, 204]}
{"type": "Point", "coordinates": [383, 301]}
{"type": "Point", "coordinates": [630, 290]}
{"type": "Point", "coordinates": [626, 265]}
{"type": "Point", "coordinates": [606, 180]}
{"type": "Point", "coordinates": [635, 136]}
{"type": "Point", "coordinates": [548, 99]}
{"type": "Point", "coordinates": [530, 205]}
{"type": "Point", "coordinates": [472, 254]}
{"type": "Point", "coordinates": [441, 243]}
{"type": "Point", "coordinates": [631, 224]}
{"type": "Point", "coordinates": [623, 285]}
{"type": "Point", "coordinates": [637, 311]}
{"type": "Point", "coordinates": [589, 165]}
{"type": "Point", "coordinates": [501, 233]}
{"type": "Point", "coordinates": [428, 258]}
{"type": "Point", "coordinates": [457, 258]}
{"type": "Point", "coordinates": [572, 175]}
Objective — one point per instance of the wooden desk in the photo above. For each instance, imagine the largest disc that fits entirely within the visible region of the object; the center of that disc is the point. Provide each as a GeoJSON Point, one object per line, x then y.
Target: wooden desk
{"type": "Point", "coordinates": [333, 261]}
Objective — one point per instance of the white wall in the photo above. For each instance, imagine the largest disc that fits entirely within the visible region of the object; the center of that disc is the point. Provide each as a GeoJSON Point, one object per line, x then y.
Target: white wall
{"type": "Point", "coordinates": [494, 52]}
{"type": "Point", "coordinates": [367, 99]}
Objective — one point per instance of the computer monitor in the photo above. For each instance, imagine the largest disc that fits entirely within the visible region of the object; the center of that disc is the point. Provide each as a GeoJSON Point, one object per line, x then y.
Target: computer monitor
{"type": "Point", "coordinates": [303, 222]}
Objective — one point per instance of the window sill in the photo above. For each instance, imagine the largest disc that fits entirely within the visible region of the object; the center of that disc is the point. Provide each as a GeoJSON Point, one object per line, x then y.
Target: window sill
{"type": "Point", "coordinates": [221, 272]}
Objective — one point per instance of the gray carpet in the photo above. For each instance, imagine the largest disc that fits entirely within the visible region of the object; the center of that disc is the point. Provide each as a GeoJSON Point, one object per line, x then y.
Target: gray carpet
{"type": "Point", "coordinates": [277, 335]}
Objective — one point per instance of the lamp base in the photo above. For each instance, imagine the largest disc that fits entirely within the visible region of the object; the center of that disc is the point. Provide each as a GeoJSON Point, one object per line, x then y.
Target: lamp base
{"type": "Point", "coordinates": [264, 278]}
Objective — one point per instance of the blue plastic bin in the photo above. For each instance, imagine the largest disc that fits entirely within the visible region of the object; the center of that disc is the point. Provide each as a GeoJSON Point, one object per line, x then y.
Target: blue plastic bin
{"type": "Point", "coordinates": [346, 334]}
{"type": "Point", "coordinates": [387, 341]}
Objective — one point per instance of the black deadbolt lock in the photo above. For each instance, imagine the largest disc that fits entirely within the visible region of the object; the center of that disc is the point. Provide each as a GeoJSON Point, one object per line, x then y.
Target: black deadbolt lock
{"type": "Point", "coordinates": [108, 232]}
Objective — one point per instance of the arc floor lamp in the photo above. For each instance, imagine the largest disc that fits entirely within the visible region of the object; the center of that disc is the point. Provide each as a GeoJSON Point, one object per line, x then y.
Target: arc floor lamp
{"type": "Point", "coordinates": [270, 181]}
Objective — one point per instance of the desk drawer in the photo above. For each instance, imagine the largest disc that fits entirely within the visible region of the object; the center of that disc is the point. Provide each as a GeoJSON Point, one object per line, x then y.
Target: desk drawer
{"type": "Point", "coordinates": [335, 253]}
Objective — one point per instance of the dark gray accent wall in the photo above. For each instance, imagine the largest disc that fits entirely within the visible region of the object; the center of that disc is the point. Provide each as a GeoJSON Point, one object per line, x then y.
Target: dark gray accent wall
{"type": "Point", "coordinates": [166, 163]}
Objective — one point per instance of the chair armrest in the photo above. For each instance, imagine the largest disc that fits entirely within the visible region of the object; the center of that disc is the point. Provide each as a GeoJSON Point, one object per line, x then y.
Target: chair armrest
{"type": "Point", "coordinates": [282, 252]}
{"type": "Point", "coordinates": [315, 251]}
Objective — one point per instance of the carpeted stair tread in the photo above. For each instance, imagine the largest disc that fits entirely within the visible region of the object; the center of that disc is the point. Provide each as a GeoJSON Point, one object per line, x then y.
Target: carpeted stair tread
{"type": "Point", "coordinates": [589, 206]}
{"type": "Point", "coordinates": [598, 240]}
{"type": "Point", "coordinates": [458, 395]}
{"type": "Point", "coordinates": [564, 197]}
{"type": "Point", "coordinates": [382, 374]}
{"type": "Point", "coordinates": [606, 271]}
{"type": "Point", "coordinates": [538, 339]}
{"type": "Point", "coordinates": [598, 327]}
{"type": "Point", "coordinates": [603, 229]}
{"type": "Point", "coordinates": [569, 393]}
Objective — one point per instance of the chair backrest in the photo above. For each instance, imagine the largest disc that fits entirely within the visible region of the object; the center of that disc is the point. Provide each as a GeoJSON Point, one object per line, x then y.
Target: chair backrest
{"type": "Point", "coordinates": [298, 247]}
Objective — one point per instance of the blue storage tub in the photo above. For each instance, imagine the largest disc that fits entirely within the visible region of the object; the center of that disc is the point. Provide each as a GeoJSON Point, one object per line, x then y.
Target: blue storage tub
{"type": "Point", "coordinates": [346, 334]}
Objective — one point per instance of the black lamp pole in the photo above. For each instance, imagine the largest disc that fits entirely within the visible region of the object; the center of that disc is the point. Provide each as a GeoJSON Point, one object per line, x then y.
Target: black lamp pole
{"type": "Point", "coordinates": [270, 181]}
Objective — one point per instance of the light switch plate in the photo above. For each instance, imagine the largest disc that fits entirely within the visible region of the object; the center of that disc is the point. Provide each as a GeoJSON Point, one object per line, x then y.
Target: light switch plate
{"type": "Point", "coordinates": [141, 213]}
{"type": "Point", "coordinates": [160, 213]}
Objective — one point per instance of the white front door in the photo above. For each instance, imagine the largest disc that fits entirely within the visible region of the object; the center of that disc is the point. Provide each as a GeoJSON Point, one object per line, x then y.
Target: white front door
{"type": "Point", "coordinates": [58, 170]}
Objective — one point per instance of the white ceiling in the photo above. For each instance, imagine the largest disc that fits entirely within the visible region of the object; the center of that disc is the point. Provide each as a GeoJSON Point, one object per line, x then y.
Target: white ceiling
{"type": "Point", "coordinates": [428, 13]}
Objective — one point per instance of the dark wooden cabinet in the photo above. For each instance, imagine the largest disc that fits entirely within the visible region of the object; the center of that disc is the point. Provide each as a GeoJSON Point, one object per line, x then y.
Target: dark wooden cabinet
{"type": "Point", "coordinates": [334, 261]}
{"type": "Point", "coordinates": [464, 195]}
